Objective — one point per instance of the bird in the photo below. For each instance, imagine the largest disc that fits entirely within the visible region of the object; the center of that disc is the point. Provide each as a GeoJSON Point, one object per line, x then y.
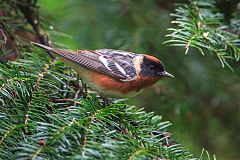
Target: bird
{"type": "Point", "coordinates": [112, 73]}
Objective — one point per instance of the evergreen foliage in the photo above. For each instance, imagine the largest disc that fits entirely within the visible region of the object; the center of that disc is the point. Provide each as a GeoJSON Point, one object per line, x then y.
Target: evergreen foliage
{"type": "Point", "coordinates": [44, 114]}
{"type": "Point", "coordinates": [201, 25]}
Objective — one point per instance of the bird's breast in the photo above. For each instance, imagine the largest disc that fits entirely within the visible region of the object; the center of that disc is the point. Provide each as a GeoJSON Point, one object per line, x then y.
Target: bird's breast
{"type": "Point", "coordinates": [115, 88]}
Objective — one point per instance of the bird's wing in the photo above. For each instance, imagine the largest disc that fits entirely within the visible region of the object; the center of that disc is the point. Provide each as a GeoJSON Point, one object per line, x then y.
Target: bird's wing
{"type": "Point", "coordinates": [118, 63]}
{"type": "Point", "coordinates": [115, 63]}
{"type": "Point", "coordinates": [110, 62]}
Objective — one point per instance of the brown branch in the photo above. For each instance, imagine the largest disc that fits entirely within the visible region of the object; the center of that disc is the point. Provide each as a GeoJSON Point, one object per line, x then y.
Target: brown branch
{"type": "Point", "coordinates": [4, 36]}
{"type": "Point", "coordinates": [54, 100]}
{"type": "Point", "coordinates": [41, 75]}
{"type": "Point", "coordinates": [29, 11]}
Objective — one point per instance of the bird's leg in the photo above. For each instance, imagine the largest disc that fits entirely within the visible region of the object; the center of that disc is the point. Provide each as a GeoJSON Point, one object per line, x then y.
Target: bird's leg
{"type": "Point", "coordinates": [85, 92]}
{"type": "Point", "coordinates": [84, 88]}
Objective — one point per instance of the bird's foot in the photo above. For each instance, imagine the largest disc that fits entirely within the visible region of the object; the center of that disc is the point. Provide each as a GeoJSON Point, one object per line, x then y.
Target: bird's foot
{"type": "Point", "coordinates": [85, 91]}
{"type": "Point", "coordinates": [83, 88]}
{"type": "Point", "coordinates": [106, 101]}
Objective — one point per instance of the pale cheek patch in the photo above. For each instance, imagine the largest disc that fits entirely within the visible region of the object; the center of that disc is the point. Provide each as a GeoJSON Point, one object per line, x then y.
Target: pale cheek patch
{"type": "Point", "coordinates": [137, 64]}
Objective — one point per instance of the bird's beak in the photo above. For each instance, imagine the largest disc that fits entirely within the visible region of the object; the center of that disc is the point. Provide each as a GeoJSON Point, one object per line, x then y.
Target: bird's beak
{"type": "Point", "coordinates": [166, 74]}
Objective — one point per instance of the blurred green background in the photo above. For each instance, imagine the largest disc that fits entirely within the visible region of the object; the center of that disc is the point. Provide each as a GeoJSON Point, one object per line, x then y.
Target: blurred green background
{"type": "Point", "coordinates": [202, 101]}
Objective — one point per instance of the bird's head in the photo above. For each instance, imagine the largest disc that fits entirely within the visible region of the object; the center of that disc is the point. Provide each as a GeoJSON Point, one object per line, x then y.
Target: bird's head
{"type": "Point", "coordinates": [153, 67]}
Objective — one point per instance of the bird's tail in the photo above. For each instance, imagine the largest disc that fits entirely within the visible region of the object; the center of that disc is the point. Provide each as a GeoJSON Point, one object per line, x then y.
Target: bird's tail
{"type": "Point", "coordinates": [64, 55]}
{"type": "Point", "coordinates": [42, 46]}
{"type": "Point", "coordinates": [54, 52]}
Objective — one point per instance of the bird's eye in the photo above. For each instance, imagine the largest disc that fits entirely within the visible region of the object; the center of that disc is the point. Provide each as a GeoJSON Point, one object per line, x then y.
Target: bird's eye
{"type": "Point", "coordinates": [151, 67]}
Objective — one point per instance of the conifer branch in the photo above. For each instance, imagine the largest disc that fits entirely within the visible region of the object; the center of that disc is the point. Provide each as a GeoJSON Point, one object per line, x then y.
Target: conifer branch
{"type": "Point", "coordinates": [201, 25]}
{"type": "Point", "coordinates": [46, 114]}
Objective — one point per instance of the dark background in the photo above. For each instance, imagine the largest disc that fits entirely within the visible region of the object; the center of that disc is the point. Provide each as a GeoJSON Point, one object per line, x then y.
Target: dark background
{"type": "Point", "coordinates": [202, 101]}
